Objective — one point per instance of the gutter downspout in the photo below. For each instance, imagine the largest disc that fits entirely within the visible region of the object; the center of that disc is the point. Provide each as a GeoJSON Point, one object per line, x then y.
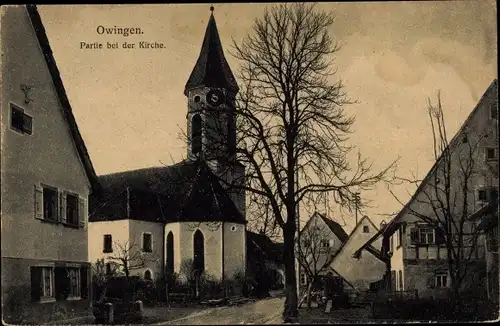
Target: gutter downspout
{"type": "Point", "coordinates": [222, 260]}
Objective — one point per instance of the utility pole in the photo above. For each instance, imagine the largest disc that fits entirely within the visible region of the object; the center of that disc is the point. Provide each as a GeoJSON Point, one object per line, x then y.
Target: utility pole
{"type": "Point", "coordinates": [297, 237]}
{"type": "Point", "coordinates": [356, 199]}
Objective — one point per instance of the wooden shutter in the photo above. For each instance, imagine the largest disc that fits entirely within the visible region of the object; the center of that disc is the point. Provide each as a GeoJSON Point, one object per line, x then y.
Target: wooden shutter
{"type": "Point", "coordinates": [393, 281]}
{"type": "Point", "coordinates": [440, 236]}
{"type": "Point", "coordinates": [28, 124]}
{"type": "Point", "coordinates": [84, 280]}
{"type": "Point", "coordinates": [414, 235]}
{"type": "Point", "coordinates": [62, 207]}
{"type": "Point", "coordinates": [36, 283]}
{"type": "Point", "coordinates": [38, 202]}
{"type": "Point", "coordinates": [82, 212]}
{"type": "Point", "coordinates": [430, 282]}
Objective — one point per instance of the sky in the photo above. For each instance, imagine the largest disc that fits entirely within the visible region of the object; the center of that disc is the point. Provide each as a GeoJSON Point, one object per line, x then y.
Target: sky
{"type": "Point", "coordinates": [130, 107]}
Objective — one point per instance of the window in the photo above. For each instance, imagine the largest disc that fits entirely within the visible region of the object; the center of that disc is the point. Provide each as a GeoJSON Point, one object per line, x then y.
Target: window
{"type": "Point", "coordinates": [72, 209]}
{"type": "Point", "coordinates": [400, 276]}
{"type": "Point", "coordinates": [481, 195]}
{"type": "Point", "coordinates": [303, 279]}
{"type": "Point", "coordinates": [147, 243]}
{"type": "Point", "coordinates": [49, 204]}
{"type": "Point", "coordinates": [20, 121]}
{"type": "Point", "coordinates": [400, 237]}
{"type": "Point", "coordinates": [441, 280]}
{"type": "Point", "coordinates": [325, 243]}
{"type": "Point", "coordinates": [487, 194]}
{"type": "Point", "coordinates": [426, 235]}
{"type": "Point", "coordinates": [391, 244]}
{"type": "Point", "coordinates": [42, 283]}
{"type": "Point", "coordinates": [491, 153]}
{"type": "Point", "coordinates": [109, 270]}
{"type": "Point", "coordinates": [147, 275]}
{"type": "Point", "coordinates": [108, 244]}
{"type": "Point", "coordinates": [74, 283]}
{"type": "Point", "coordinates": [493, 112]}
{"type": "Point", "coordinates": [196, 137]}
{"type": "Point", "coordinates": [47, 282]}
{"type": "Point", "coordinates": [366, 229]}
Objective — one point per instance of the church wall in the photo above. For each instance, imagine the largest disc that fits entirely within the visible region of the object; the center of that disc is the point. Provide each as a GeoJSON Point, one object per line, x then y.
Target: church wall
{"type": "Point", "coordinates": [153, 260]}
{"type": "Point", "coordinates": [119, 231]}
{"type": "Point", "coordinates": [234, 248]}
{"type": "Point", "coordinates": [212, 242]}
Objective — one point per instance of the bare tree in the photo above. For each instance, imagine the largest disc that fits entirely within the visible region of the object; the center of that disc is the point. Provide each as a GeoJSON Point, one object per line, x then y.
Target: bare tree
{"type": "Point", "coordinates": [446, 198]}
{"type": "Point", "coordinates": [291, 124]}
{"type": "Point", "coordinates": [314, 254]}
{"type": "Point", "coordinates": [128, 256]}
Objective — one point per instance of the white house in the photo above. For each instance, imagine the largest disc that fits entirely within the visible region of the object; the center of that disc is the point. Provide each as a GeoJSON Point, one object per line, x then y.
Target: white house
{"type": "Point", "coordinates": [46, 179]}
{"type": "Point", "coordinates": [369, 267]}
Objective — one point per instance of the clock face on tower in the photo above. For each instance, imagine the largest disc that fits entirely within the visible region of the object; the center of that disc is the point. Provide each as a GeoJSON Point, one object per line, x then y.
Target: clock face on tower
{"type": "Point", "coordinates": [215, 97]}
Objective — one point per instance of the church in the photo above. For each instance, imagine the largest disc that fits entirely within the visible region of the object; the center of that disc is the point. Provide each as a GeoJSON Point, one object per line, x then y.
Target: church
{"type": "Point", "coordinates": [162, 217]}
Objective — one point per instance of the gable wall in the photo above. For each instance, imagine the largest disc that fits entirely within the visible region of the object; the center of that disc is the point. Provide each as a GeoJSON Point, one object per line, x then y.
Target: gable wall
{"type": "Point", "coordinates": [48, 156]}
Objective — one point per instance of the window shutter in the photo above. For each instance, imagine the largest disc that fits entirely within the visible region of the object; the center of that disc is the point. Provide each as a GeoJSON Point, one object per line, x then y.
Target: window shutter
{"type": "Point", "coordinates": [84, 282]}
{"type": "Point", "coordinates": [82, 216]}
{"type": "Point", "coordinates": [414, 235]}
{"type": "Point", "coordinates": [430, 282]}
{"type": "Point", "coordinates": [38, 202]}
{"type": "Point", "coordinates": [36, 283]}
{"type": "Point", "coordinates": [62, 207]}
{"type": "Point", "coordinates": [440, 236]}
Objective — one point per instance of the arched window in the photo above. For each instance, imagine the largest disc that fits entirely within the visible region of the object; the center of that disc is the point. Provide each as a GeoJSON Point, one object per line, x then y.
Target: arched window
{"type": "Point", "coordinates": [196, 134]}
{"type": "Point", "coordinates": [198, 252]}
{"type": "Point", "coordinates": [147, 275]}
{"type": "Point", "coordinates": [170, 252]}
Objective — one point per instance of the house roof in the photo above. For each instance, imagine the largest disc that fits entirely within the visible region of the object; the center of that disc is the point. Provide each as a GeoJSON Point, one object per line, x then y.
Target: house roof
{"type": "Point", "coordinates": [211, 69]}
{"type": "Point", "coordinates": [186, 191]}
{"type": "Point", "coordinates": [43, 41]}
{"type": "Point", "coordinates": [271, 250]}
{"type": "Point", "coordinates": [369, 248]}
{"type": "Point", "coordinates": [335, 228]}
{"type": "Point", "coordinates": [392, 226]}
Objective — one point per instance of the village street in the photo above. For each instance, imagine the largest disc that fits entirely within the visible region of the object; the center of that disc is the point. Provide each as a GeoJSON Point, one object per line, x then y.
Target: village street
{"type": "Point", "coordinates": [268, 311]}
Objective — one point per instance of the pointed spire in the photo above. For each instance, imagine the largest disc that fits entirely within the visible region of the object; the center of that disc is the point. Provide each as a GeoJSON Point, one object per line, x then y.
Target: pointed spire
{"type": "Point", "coordinates": [211, 69]}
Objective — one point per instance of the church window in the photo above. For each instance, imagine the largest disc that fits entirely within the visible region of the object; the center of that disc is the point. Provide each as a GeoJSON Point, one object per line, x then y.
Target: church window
{"type": "Point", "coordinates": [108, 243]}
{"type": "Point", "coordinates": [196, 134]}
{"type": "Point", "coordinates": [199, 252]}
{"type": "Point", "coordinates": [147, 242]}
{"type": "Point", "coordinates": [170, 252]}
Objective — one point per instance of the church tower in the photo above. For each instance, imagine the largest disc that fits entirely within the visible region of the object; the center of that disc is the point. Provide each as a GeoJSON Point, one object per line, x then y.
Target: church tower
{"type": "Point", "coordinates": [211, 118]}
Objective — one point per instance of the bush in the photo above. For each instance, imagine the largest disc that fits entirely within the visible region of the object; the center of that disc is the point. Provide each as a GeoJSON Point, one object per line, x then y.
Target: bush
{"type": "Point", "coordinates": [431, 309]}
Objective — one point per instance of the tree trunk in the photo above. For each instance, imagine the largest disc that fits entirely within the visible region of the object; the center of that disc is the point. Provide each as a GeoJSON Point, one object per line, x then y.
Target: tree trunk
{"type": "Point", "coordinates": [290, 309]}
{"type": "Point", "coordinates": [309, 299]}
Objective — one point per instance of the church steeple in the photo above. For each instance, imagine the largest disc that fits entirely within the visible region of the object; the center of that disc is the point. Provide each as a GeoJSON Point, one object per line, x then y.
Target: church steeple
{"type": "Point", "coordinates": [211, 69]}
